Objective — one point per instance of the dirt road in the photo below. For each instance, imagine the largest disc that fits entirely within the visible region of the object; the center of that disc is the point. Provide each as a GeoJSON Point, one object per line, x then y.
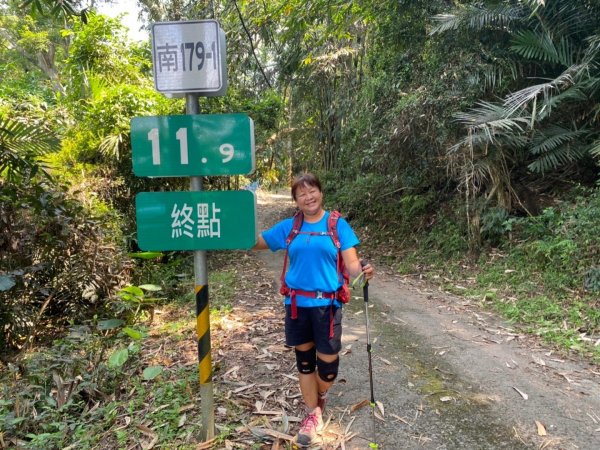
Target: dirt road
{"type": "Point", "coordinates": [448, 374]}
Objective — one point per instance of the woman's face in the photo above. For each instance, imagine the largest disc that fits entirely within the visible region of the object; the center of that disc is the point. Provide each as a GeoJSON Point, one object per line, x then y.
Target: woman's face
{"type": "Point", "coordinates": [309, 199]}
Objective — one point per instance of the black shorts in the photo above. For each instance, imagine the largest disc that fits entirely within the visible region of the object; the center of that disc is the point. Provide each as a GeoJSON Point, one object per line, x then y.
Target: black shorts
{"type": "Point", "coordinates": [313, 325]}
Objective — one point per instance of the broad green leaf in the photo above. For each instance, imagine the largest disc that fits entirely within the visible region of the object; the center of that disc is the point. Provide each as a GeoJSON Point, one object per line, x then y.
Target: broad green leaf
{"type": "Point", "coordinates": [134, 290]}
{"type": "Point", "coordinates": [133, 333]}
{"type": "Point", "coordinates": [110, 324]}
{"type": "Point", "coordinates": [6, 282]}
{"type": "Point", "coordinates": [118, 358]}
{"type": "Point", "coordinates": [152, 372]}
{"type": "Point", "coordinates": [145, 255]}
{"type": "Point", "coordinates": [150, 287]}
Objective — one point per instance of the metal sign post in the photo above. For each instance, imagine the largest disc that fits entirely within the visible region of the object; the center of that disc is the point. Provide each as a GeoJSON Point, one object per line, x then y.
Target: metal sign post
{"type": "Point", "coordinates": [207, 402]}
{"type": "Point", "coordinates": [189, 60]}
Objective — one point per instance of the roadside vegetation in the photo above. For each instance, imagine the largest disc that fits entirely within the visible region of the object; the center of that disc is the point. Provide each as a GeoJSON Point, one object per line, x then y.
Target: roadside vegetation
{"type": "Point", "coordinates": [463, 140]}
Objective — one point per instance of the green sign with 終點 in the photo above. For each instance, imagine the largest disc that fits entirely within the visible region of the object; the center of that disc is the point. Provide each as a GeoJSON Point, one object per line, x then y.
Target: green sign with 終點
{"type": "Point", "coordinates": [196, 220]}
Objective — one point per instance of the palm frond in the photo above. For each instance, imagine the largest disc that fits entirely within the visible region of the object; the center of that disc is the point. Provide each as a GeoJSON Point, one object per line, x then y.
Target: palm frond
{"type": "Point", "coordinates": [592, 51]}
{"type": "Point", "coordinates": [446, 22]}
{"type": "Point", "coordinates": [540, 47]}
{"type": "Point", "coordinates": [499, 16]}
{"type": "Point", "coordinates": [574, 93]}
{"type": "Point", "coordinates": [111, 145]}
{"type": "Point", "coordinates": [493, 76]}
{"type": "Point", "coordinates": [520, 99]}
{"type": "Point", "coordinates": [570, 19]}
{"type": "Point", "coordinates": [491, 115]}
{"type": "Point", "coordinates": [14, 135]}
{"type": "Point", "coordinates": [21, 145]}
{"type": "Point", "coordinates": [484, 138]}
{"type": "Point", "coordinates": [594, 41]}
{"type": "Point", "coordinates": [553, 137]}
{"type": "Point", "coordinates": [595, 148]}
{"type": "Point", "coordinates": [557, 157]}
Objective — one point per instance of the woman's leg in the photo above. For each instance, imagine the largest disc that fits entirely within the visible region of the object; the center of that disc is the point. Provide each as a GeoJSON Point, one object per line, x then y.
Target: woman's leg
{"type": "Point", "coordinates": [308, 381]}
{"type": "Point", "coordinates": [327, 369]}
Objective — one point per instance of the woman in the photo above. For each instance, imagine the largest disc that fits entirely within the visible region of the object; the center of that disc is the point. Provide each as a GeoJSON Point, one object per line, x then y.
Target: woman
{"type": "Point", "coordinates": [313, 325]}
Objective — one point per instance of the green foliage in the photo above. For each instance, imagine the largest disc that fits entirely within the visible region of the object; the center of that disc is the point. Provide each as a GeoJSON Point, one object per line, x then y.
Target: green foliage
{"type": "Point", "coordinates": [59, 8]}
{"type": "Point", "coordinates": [222, 291]}
{"type": "Point", "coordinates": [21, 145]}
{"type": "Point", "coordinates": [99, 48]}
{"type": "Point", "coordinates": [446, 239]}
{"type": "Point", "coordinates": [133, 305]}
{"type": "Point", "coordinates": [367, 93]}
{"type": "Point", "coordinates": [97, 374]}
{"type": "Point", "coordinates": [62, 383]}
{"type": "Point", "coordinates": [495, 224]}
{"type": "Point", "coordinates": [591, 280]}
{"type": "Point", "coordinates": [546, 123]}
{"type": "Point", "coordinates": [150, 373]}
{"type": "Point", "coordinates": [57, 256]}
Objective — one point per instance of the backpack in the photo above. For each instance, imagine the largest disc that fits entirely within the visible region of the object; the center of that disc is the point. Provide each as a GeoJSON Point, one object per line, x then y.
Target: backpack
{"type": "Point", "coordinates": [343, 293]}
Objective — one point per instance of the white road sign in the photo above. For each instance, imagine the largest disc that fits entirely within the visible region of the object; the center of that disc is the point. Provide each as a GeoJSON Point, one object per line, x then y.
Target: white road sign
{"type": "Point", "coordinates": [189, 56]}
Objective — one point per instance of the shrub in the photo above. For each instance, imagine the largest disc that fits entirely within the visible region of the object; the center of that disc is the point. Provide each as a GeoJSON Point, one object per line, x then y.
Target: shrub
{"type": "Point", "coordinates": [57, 259]}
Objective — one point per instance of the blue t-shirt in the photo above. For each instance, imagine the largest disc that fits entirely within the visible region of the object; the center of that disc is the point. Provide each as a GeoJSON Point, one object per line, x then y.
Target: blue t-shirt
{"type": "Point", "coordinates": [312, 258]}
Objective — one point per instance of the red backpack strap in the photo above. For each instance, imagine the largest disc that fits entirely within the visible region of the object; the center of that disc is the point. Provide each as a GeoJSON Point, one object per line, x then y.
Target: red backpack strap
{"type": "Point", "coordinates": [332, 228]}
{"type": "Point", "coordinates": [296, 225]}
{"type": "Point", "coordinates": [332, 221]}
{"type": "Point", "coordinates": [285, 290]}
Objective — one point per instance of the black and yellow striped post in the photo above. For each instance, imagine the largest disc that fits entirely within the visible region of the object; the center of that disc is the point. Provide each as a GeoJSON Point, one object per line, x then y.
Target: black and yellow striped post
{"type": "Point", "coordinates": [204, 356]}
{"type": "Point", "coordinates": [203, 332]}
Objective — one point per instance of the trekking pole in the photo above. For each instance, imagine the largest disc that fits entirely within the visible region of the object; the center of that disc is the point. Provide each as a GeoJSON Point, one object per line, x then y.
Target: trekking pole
{"type": "Point", "coordinates": [372, 444]}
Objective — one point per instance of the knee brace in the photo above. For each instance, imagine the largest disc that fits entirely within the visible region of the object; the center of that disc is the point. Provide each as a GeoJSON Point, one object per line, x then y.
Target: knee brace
{"type": "Point", "coordinates": [306, 360]}
{"type": "Point", "coordinates": [328, 371]}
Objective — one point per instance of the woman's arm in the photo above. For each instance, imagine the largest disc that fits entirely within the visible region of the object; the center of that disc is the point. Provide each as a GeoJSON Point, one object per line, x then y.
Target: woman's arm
{"type": "Point", "coordinates": [261, 244]}
{"type": "Point", "coordinates": [353, 265]}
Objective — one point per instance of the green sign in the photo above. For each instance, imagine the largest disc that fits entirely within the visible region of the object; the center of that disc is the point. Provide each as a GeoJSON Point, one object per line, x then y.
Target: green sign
{"type": "Point", "coordinates": [192, 145]}
{"type": "Point", "coordinates": [196, 220]}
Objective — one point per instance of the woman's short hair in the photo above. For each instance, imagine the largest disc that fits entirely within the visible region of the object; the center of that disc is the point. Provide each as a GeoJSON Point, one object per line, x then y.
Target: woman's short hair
{"type": "Point", "coordinates": [306, 179]}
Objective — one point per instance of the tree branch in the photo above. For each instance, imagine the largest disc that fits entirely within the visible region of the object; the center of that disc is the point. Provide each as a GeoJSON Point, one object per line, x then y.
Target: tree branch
{"type": "Point", "coordinates": [251, 44]}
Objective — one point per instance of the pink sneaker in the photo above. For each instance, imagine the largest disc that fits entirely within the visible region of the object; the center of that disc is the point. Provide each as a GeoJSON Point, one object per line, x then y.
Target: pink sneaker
{"type": "Point", "coordinates": [310, 427]}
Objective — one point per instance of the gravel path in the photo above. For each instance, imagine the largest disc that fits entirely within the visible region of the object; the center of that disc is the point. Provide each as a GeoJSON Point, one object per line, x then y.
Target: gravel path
{"type": "Point", "coordinates": [447, 374]}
